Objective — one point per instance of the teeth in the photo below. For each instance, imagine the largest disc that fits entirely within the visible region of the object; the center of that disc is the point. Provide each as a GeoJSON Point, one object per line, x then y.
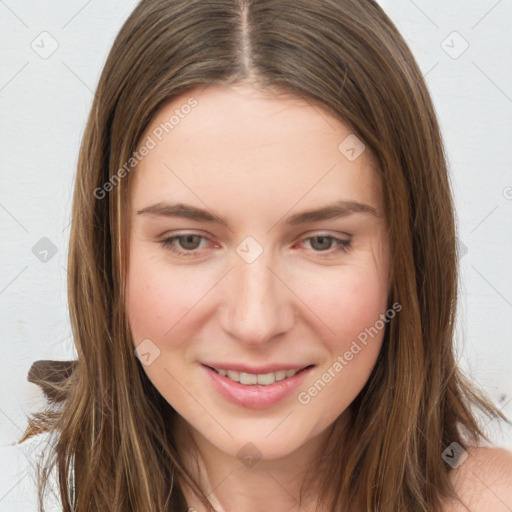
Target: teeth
{"type": "Point", "coordinates": [250, 379]}
{"type": "Point", "coordinates": [281, 375]}
{"type": "Point", "coordinates": [233, 375]}
{"type": "Point", "coordinates": [266, 378]}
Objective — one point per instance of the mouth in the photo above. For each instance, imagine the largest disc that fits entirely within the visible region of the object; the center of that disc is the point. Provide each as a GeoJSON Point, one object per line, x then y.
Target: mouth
{"type": "Point", "coordinates": [260, 379]}
{"type": "Point", "coordinates": [258, 389]}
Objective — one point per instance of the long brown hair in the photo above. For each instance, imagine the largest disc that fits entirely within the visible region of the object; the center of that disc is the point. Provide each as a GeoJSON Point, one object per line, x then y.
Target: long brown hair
{"type": "Point", "coordinates": [113, 446]}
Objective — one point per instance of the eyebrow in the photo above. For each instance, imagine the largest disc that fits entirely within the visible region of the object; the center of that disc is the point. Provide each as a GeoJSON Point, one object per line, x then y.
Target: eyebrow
{"type": "Point", "coordinates": [330, 211]}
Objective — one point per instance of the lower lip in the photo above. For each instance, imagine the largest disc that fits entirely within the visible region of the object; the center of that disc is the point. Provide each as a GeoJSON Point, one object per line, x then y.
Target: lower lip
{"type": "Point", "coordinates": [255, 396]}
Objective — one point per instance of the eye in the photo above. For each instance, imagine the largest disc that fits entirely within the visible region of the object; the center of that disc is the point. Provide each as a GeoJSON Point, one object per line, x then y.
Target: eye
{"type": "Point", "coordinates": [324, 243]}
{"type": "Point", "coordinates": [187, 241]}
{"type": "Point", "coordinates": [187, 245]}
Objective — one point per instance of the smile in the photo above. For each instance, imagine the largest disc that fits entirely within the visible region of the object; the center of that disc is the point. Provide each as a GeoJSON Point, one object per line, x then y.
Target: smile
{"type": "Point", "coordinates": [256, 390]}
{"type": "Point", "coordinates": [263, 379]}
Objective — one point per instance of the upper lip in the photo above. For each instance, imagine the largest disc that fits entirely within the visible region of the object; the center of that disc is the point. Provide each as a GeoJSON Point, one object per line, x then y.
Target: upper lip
{"type": "Point", "coordinates": [256, 370]}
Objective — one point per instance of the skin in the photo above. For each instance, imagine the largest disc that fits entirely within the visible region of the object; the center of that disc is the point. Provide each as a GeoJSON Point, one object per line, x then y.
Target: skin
{"type": "Point", "coordinates": [253, 159]}
{"type": "Point", "coordinates": [483, 482]}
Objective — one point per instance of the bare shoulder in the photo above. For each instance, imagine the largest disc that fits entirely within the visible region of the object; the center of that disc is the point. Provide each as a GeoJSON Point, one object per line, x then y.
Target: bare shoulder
{"type": "Point", "coordinates": [483, 481]}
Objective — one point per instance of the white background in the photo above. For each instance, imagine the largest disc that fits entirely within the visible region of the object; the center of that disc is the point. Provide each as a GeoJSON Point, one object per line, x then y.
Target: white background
{"type": "Point", "coordinates": [44, 103]}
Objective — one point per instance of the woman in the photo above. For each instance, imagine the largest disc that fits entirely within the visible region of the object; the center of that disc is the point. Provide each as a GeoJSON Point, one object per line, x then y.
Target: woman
{"type": "Point", "coordinates": [263, 275]}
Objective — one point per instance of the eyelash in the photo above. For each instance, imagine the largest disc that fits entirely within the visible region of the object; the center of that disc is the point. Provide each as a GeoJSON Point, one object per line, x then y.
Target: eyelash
{"type": "Point", "coordinates": [168, 243]}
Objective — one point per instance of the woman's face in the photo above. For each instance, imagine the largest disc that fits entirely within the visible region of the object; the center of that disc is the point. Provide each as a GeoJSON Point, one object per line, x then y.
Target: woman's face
{"type": "Point", "coordinates": [257, 245]}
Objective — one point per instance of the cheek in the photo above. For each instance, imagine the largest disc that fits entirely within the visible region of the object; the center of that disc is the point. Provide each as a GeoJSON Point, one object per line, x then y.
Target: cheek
{"type": "Point", "coordinates": [350, 303]}
{"type": "Point", "coordinates": [156, 298]}
{"type": "Point", "coordinates": [352, 350]}
{"type": "Point", "coordinates": [362, 300]}
{"type": "Point", "coordinates": [347, 302]}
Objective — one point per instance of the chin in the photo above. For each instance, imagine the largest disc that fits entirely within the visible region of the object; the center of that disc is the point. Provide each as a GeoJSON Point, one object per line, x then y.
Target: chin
{"type": "Point", "coordinates": [265, 440]}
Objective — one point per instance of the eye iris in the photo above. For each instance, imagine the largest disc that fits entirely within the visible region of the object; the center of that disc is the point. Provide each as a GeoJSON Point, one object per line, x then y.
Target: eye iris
{"type": "Point", "coordinates": [187, 239]}
{"type": "Point", "coordinates": [327, 240]}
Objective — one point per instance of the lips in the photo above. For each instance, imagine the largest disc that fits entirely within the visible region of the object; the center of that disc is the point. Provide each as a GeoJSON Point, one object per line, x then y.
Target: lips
{"type": "Point", "coordinates": [254, 395]}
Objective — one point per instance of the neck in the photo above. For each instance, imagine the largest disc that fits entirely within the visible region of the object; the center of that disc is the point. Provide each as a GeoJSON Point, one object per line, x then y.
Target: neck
{"type": "Point", "coordinates": [289, 483]}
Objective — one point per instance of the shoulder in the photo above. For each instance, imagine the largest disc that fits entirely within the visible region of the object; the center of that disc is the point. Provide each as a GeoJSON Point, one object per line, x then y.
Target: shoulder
{"type": "Point", "coordinates": [483, 481]}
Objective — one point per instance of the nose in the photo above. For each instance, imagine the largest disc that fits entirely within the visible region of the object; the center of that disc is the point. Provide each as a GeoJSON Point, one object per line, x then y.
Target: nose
{"type": "Point", "coordinates": [257, 303]}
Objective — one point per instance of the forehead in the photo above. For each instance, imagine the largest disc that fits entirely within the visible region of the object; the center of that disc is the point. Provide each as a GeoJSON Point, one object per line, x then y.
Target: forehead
{"type": "Point", "coordinates": [253, 147]}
